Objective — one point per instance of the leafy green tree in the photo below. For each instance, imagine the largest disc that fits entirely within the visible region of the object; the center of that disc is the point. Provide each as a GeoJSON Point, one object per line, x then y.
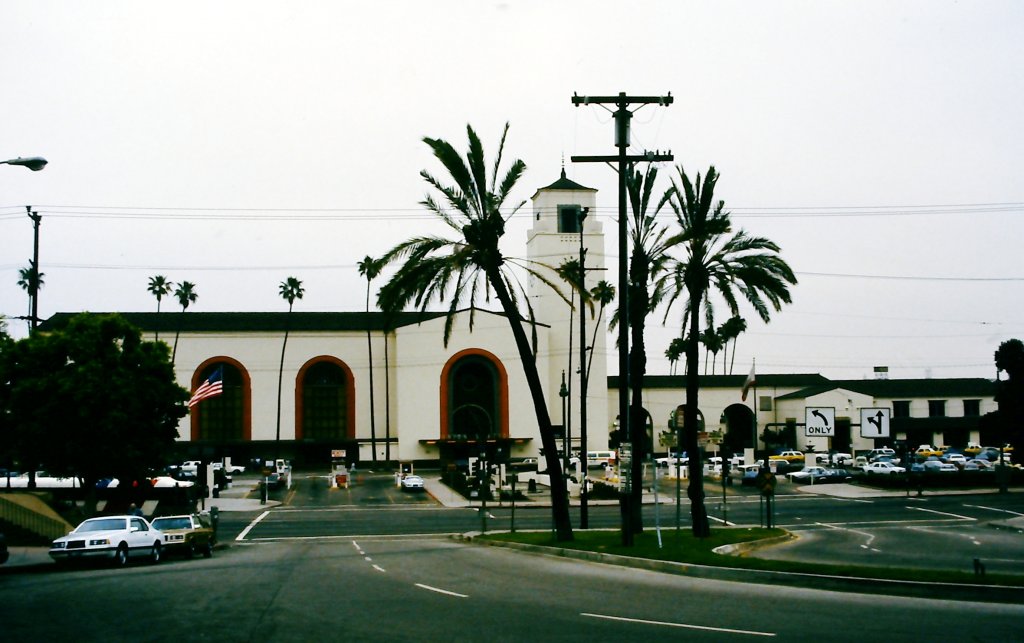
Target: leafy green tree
{"type": "Point", "coordinates": [93, 400]}
{"type": "Point", "coordinates": [603, 293]}
{"type": "Point", "coordinates": [290, 290]}
{"type": "Point", "coordinates": [370, 268]}
{"type": "Point", "coordinates": [1008, 420]}
{"type": "Point", "coordinates": [186, 295]}
{"type": "Point", "coordinates": [713, 260]}
{"type": "Point", "coordinates": [460, 268]}
{"type": "Point", "coordinates": [159, 287]}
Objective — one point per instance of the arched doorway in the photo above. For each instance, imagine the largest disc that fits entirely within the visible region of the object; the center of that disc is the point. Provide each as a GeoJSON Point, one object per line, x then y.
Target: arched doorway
{"type": "Point", "coordinates": [474, 405]}
{"type": "Point", "coordinates": [224, 418]}
{"type": "Point", "coordinates": [739, 428]}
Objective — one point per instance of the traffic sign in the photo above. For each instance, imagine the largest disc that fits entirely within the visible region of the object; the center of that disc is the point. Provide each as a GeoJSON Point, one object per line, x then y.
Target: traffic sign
{"type": "Point", "coordinates": [820, 421]}
{"type": "Point", "coordinates": [874, 422]}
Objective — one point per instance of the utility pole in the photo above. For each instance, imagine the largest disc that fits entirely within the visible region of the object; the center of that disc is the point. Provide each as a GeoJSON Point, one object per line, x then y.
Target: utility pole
{"type": "Point", "coordinates": [622, 115]}
{"type": "Point", "coordinates": [34, 284]}
{"type": "Point", "coordinates": [584, 519]}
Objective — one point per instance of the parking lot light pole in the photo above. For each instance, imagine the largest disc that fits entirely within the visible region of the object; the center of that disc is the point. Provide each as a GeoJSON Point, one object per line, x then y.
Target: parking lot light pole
{"type": "Point", "coordinates": [34, 163]}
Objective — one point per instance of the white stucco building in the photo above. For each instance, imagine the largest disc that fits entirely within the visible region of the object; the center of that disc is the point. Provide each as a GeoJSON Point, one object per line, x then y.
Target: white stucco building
{"type": "Point", "coordinates": [432, 402]}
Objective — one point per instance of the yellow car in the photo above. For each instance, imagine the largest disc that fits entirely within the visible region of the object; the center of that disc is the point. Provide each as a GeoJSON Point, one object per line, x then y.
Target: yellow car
{"type": "Point", "coordinates": [789, 456]}
{"type": "Point", "coordinates": [187, 534]}
{"type": "Point", "coordinates": [973, 448]}
{"type": "Point", "coordinates": [926, 450]}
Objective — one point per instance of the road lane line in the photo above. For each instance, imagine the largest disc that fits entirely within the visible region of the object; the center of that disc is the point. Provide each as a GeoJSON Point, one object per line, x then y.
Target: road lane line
{"type": "Point", "coordinates": [379, 569]}
{"type": "Point", "coordinates": [944, 513]}
{"type": "Point", "coordinates": [868, 535]}
{"type": "Point", "coordinates": [252, 524]}
{"type": "Point", "coordinates": [1006, 511]}
{"type": "Point", "coordinates": [680, 625]}
{"type": "Point", "coordinates": [358, 548]}
{"type": "Point", "coordinates": [441, 591]}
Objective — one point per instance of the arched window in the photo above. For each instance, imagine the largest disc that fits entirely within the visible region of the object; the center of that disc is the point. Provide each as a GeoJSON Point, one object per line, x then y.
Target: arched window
{"type": "Point", "coordinates": [474, 397]}
{"type": "Point", "coordinates": [225, 417]}
{"type": "Point", "coordinates": [324, 401]}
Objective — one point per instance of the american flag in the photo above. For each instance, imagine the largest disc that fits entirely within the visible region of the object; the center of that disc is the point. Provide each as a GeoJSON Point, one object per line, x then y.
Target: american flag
{"type": "Point", "coordinates": [214, 385]}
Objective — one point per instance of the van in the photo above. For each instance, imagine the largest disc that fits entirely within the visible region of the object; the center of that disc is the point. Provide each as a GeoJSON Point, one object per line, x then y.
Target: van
{"type": "Point", "coordinates": [600, 459]}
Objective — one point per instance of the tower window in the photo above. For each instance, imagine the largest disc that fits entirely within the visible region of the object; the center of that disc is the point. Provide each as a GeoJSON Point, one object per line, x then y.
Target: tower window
{"type": "Point", "coordinates": [569, 219]}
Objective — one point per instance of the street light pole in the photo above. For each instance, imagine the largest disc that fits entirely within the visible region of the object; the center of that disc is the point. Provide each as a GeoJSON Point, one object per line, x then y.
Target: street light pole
{"type": "Point", "coordinates": [35, 276]}
{"type": "Point", "coordinates": [34, 163]}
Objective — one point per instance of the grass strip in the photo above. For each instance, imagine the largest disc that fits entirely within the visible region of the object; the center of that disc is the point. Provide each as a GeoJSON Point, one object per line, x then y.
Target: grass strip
{"type": "Point", "coordinates": [684, 548]}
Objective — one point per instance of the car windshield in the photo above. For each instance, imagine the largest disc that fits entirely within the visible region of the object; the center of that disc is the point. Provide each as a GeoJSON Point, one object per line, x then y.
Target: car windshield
{"type": "Point", "coordinates": [100, 524]}
{"type": "Point", "coordinates": [172, 523]}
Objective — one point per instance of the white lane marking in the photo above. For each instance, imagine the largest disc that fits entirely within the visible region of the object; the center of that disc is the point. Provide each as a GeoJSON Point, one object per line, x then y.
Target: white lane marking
{"type": "Point", "coordinates": [379, 568]}
{"type": "Point", "coordinates": [867, 535]}
{"type": "Point", "coordinates": [681, 625]}
{"type": "Point", "coordinates": [252, 524]}
{"type": "Point", "coordinates": [441, 591]}
{"type": "Point", "coordinates": [359, 549]}
{"type": "Point", "coordinates": [1007, 511]}
{"type": "Point", "coordinates": [944, 513]}
{"type": "Point", "coordinates": [367, 559]}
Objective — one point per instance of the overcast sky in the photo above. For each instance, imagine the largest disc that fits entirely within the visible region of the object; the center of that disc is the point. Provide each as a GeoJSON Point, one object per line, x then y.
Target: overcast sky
{"type": "Point", "coordinates": [234, 144]}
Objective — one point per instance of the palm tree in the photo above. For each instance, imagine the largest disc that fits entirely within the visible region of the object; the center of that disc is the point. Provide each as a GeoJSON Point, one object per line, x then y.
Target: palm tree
{"type": "Point", "coordinates": [712, 262]}
{"type": "Point", "coordinates": [185, 294]}
{"type": "Point", "coordinates": [290, 289]}
{"type": "Point", "coordinates": [712, 344]}
{"type": "Point", "coordinates": [460, 268]}
{"type": "Point", "coordinates": [675, 350]}
{"type": "Point", "coordinates": [370, 268]}
{"type": "Point", "coordinates": [159, 286]}
{"type": "Point", "coordinates": [731, 330]}
{"type": "Point", "coordinates": [31, 280]}
{"type": "Point", "coordinates": [603, 293]}
{"type": "Point", "coordinates": [648, 258]}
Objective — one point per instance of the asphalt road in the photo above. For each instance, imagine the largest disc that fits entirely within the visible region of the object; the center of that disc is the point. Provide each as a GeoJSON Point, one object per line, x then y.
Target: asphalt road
{"type": "Point", "coordinates": [436, 589]}
{"type": "Point", "coordinates": [934, 531]}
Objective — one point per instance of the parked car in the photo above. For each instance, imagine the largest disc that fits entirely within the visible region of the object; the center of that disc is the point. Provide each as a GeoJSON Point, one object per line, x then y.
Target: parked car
{"type": "Point", "coordinates": [810, 474]}
{"type": "Point", "coordinates": [884, 468]}
{"type": "Point", "coordinates": [789, 456]}
{"type": "Point", "coordinates": [926, 450]}
{"type": "Point", "coordinates": [980, 464]}
{"type": "Point", "coordinates": [672, 460]}
{"type": "Point", "coordinates": [957, 459]}
{"type": "Point", "coordinates": [839, 459]}
{"type": "Point", "coordinates": [748, 474]}
{"type": "Point", "coordinates": [189, 534]}
{"type": "Point", "coordinates": [972, 448]}
{"type": "Point", "coordinates": [881, 453]}
{"type": "Point", "coordinates": [116, 538]}
{"type": "Point", "coordinates": [600, 459]}
{"type": "Point", "coordinates": [234, 468]}
{"type": "Point", "coordinates": [947, 467]}
{"type": "Point", "coordinates": [412, 483]}
{"type": "Point", "coordinates": [837, 475]}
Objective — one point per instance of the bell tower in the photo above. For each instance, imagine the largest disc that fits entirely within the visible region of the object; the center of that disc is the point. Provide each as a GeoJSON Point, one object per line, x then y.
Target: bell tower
{"type": "Point", "coordinates": [564, 221]}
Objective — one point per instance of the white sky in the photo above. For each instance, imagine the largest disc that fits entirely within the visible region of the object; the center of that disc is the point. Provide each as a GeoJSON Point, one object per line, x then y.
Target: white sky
{"type": "Point", "coordinates": [234, 144]}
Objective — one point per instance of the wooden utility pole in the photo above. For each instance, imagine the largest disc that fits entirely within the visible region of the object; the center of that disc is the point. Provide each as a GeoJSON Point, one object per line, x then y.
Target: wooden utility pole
{"type": "Point", "coordinates": [622, 115]}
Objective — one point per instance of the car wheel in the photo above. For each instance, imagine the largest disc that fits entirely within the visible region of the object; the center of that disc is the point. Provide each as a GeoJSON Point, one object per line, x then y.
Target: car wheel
{"type": "Point", "coordinates": [154, 554]}
{"type": "Point", "coordinates": [121, 555]}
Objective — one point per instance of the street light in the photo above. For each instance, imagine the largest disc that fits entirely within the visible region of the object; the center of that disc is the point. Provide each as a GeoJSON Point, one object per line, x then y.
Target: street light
{"type": "Point", "coordinates": [34, 163]}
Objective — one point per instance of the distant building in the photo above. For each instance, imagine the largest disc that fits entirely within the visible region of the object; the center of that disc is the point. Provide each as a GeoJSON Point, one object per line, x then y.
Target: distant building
{"type": "Point", "coordinates": [437, 403]}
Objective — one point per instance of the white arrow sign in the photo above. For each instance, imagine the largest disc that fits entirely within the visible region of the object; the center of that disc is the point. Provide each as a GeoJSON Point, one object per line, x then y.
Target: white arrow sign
{"type": "Point", "coordinates": [820, 421]}
{"type": "Point", "coordinates": [874, 423]}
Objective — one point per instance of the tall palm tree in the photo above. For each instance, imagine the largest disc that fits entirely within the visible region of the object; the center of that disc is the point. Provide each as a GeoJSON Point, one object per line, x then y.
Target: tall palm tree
{"type": "Point", "coordinates": [714, 260]}
{"type": "Point", "coordinates": [461, 267]}
{"type": "Point", "coordinates": [675, 350]}
{"type": "Point", "coordinates": [370, 268]}
{"type": "Point", "coordinates": [603, 293]}
{"type": "Point", "coordinates": [290, 290]}
{"type": "Point", "coordinates": [158, 287]}
{"type": "Point", "coordinates": [730, 331]}
{"type": "Point", "coordinates": [648, 259]}
{"type": "Point", "coordinates": [31, 280]}
{"type": "Point", "coordinates": [712, 344]}
{"type": "Point", "coordinates": [186, 295]}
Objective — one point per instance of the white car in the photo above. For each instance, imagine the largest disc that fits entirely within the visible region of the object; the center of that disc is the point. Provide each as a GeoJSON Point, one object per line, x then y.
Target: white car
{"type": "Point", "coordinates": [672, 461]}
{"type": "Point", "coordinates": [808, 474]}
{"type": "Point", "coordinates": [883, 468]}
{"type": "Point", "coordinates": [958, 459]}
{"type": "Point", "coordinates": [234, 468]}
{"type": "Point", "coordinates": [116, 538]}
{"type": "Point", "coordinates": [412, 483]}
{"type": "Point", "coordinates": [43, 481]}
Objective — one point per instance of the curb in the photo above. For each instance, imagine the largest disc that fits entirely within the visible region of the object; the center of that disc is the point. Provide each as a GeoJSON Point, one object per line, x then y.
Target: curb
{"type": "Point", "coordinates": [945, 591]}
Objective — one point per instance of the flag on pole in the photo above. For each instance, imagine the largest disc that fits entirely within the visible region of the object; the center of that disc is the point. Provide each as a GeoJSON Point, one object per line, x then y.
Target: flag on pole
{"type": "Point", "coordinates": [213, 386]}
{"type": "Point", "coordinates": [750, 381]}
